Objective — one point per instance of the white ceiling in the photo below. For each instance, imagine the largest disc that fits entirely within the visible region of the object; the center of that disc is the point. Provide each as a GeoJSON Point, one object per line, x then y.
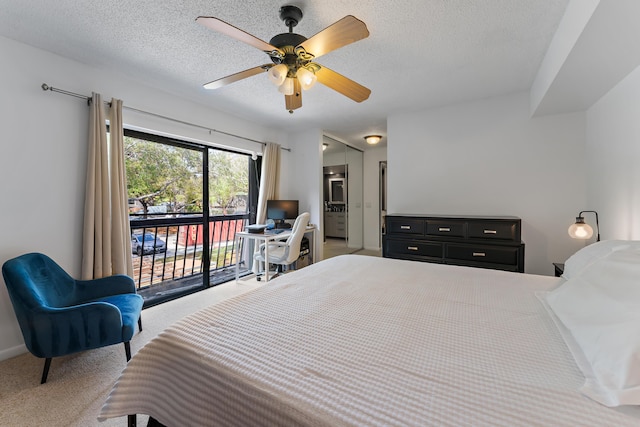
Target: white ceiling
{"type": "Point", "coordinates": [420, 53]}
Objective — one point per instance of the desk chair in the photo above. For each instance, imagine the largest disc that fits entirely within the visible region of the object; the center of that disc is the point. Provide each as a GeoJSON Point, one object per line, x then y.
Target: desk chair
{"type": "Point", "coordinates": [284, 253]}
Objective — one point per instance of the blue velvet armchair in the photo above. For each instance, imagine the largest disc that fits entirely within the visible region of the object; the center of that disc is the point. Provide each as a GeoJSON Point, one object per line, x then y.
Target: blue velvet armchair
{"type": "Point", "coordinates": [59, 315]}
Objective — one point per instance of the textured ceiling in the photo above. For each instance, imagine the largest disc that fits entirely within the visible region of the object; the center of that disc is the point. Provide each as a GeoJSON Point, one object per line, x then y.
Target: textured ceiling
{"type": "Point", "coordinates": [420, 53]}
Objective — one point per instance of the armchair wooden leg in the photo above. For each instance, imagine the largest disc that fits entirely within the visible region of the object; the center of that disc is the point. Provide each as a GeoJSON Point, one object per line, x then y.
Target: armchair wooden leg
{"type": "Point", "coordinates": [45, 372]}
{"type": "Point", "coordinates": [140, 323]}
{"type": "Point", "coordinates": [127, 350]}
{"type": "Point", "coordinates": [131, 420]}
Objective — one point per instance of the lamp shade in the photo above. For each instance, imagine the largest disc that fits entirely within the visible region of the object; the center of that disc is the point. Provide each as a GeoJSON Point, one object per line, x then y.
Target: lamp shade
{"type": "Point", "coordinates": [580, 230]}
{"type": "Point", "coordinates": [306, 78]}
{"type": "Point", "coordinates": [372, 139]}
{"type": "Point", "coordinates": [286, 88]}
{"type": "Point", "coordinates": [278, 73]}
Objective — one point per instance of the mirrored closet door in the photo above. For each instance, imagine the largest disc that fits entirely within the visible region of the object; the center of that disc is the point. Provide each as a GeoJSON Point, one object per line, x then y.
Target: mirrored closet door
{"type": "Point", "coordinates": [342, 194]}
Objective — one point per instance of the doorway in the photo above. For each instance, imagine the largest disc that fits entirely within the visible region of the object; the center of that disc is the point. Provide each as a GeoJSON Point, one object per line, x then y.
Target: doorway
{"type": "Point", "coordinates": [383, 198]}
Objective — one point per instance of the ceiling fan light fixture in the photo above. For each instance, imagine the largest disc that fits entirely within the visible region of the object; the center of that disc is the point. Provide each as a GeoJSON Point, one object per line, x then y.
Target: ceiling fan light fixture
{"type": "Point", "coordinates": [278, 73]}
{"type": "Point", "coordinates": [286, 88]}
{"type": "Point", "coordinates": [290, 52]}
{"type": "Point", "coordinates": [306, 78]}
{"type": "Point", "coordinates": [372, 139]}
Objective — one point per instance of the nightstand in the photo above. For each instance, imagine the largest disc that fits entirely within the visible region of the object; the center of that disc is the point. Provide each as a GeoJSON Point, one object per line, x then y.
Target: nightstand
{"type": "Point", "coordinates": [559, 268]}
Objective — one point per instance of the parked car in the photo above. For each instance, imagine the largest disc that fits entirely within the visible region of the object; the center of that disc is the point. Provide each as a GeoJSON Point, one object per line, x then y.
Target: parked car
{"type": "Point", "coordinates": [147, 245]}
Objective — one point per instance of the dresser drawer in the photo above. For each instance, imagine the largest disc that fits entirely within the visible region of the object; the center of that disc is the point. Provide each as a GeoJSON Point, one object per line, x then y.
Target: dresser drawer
{"type": "Point", "coordinates": [398, 247]}
{"type": "Point", "coordinates": [475, 241]}
{"type": "Point", "coordinates": [405, 226]}
{"type": "Point", "coordinates": [445, 228]}
{"type": "Point", "coordinates": [481, 253]}
{"type": "Point", "coordinates": [496, 230]}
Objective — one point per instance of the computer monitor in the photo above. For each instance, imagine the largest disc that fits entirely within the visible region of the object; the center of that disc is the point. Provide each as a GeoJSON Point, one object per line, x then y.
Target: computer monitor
{"type": "Point", "coordinates": [281, 210]}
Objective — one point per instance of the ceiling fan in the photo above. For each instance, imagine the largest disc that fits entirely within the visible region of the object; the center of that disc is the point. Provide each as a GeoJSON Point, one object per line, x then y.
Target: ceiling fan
{"type": "Point", "coordinates": [293, 66]}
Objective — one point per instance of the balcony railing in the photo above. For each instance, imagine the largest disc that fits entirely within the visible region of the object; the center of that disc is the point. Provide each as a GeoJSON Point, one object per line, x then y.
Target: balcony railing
{"type": "Point", "coordinates": [173, 247]}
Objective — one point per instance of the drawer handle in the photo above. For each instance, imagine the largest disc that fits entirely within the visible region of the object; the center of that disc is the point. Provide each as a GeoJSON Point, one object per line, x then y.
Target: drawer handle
{"type": "Point", "coordinates": [405, 227]}
{"type": "Point", "coordinates": [446, 229]}
{"type": "Point", "coordinates": [479, 254]}
{"type": "Point", "coordinates": [412, 248]}
{"type": "Point", "coordinates": [490, 232]}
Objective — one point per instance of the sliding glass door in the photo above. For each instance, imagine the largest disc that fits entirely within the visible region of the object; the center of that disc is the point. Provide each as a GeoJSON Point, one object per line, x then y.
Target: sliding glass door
{"type": "Point", "coordinates": [186, 202]}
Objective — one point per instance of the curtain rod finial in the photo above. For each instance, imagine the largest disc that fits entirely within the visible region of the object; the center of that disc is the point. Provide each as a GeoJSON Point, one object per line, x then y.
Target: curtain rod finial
{"type": "Point", "coordinates": [45, 86]}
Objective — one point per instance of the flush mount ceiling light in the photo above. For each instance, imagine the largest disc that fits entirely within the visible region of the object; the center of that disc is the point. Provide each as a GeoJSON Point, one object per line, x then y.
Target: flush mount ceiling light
{"type": "Point", "coordinates": [372, 139]}
{"type": "Point", "coordinates": [293, 69]}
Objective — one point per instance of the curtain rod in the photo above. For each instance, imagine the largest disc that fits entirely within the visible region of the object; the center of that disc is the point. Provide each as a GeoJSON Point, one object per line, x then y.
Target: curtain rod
{"type": "Point", "coordinates": [46, 87]}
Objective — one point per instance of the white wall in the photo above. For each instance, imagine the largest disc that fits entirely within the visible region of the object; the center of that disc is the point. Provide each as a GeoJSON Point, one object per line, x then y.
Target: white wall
{"type": "Point", "coordinates": [613, 153]}
{"type": "Point", "coordinates": [302, 180]}
{"type": "Point", "coordinates": [490, 158]}
{"type": "Point", "coordinates": [43, 156]}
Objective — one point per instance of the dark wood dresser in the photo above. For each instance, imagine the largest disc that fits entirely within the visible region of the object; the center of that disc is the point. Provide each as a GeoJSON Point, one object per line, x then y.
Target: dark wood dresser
{"type": "Point", "coordinates": [475, 241]}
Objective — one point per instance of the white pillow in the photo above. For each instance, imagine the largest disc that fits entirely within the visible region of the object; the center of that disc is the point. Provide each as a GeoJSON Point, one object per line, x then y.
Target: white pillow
{"type": "Point", "coordinates": [600, 307]}
{"type": "Point", "coordinates": [585, 256]}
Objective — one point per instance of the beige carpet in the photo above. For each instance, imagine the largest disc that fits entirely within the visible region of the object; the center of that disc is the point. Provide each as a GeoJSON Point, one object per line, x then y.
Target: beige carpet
{"type": "Point", "coordinates": [79, 384]}
{"type": "Point", "coordinates": [334, 247]}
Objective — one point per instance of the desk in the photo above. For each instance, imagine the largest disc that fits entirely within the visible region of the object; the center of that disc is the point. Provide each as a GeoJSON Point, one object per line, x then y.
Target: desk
{"type": "Point", "coordinates": [260, 238]}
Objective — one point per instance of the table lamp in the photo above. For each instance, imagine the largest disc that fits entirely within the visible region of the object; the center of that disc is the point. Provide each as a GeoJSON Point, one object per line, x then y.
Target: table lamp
{"type": "Point", "coordinates": [582, 230]}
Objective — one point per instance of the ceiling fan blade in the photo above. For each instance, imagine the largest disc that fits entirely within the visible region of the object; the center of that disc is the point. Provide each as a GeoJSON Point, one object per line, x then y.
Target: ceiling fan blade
{"type": "Point", "coordinates": [294, 101]}
{"type": "Point", "coordinates": [343, 85]}
{"type": "Point", "coordinates": [238, 76]}
{"type": "Point", "coordinates": [343, 32]}
{"type": "Point", "coordinates": [236, 33]}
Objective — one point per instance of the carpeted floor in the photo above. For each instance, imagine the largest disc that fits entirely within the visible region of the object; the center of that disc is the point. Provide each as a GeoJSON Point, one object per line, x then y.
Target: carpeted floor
{"type": "Point", "coordinates": [79, 384]}
{"type": "Point", "coordinates": [334, 247]}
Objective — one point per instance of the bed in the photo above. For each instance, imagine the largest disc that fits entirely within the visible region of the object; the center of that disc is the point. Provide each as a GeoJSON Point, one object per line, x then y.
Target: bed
{"type": "Point", "coordinates": [365, 341]}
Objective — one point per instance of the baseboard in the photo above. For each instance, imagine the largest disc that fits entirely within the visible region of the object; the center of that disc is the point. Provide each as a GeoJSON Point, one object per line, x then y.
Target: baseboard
{"type": "Point", "coordinates": [13, 352]}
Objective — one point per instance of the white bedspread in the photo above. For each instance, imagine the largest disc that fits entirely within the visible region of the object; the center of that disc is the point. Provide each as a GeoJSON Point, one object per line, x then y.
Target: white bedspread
{"type": "Point", "coordinates": [366, 341]}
